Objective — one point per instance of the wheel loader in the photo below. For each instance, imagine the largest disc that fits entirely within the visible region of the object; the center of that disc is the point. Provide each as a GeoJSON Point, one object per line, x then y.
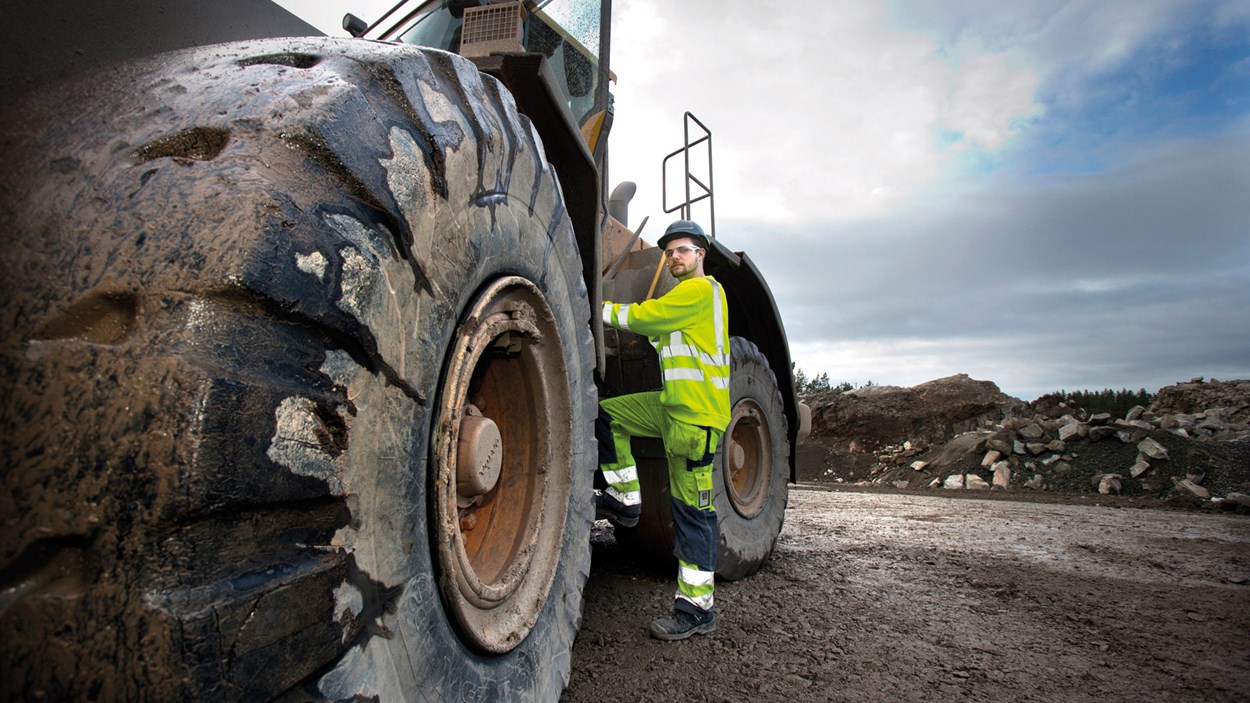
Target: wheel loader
{"type": "Point", "coordinates": [301, 351]}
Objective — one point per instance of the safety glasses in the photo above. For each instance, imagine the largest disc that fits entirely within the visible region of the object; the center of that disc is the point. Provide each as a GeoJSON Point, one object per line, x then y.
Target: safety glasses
{"type": "Point", "coordinates": [683, 250]}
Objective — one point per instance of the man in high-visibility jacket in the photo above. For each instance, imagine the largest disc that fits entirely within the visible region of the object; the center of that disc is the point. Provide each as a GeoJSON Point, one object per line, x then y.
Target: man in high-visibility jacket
{"type": "Point", "coordinates": [689, 328]}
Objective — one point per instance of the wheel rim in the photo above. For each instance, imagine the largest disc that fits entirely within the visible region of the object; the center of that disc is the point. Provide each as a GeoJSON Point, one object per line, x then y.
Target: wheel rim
{"type": "Point", "coordinates": [748, 458]}
{"type": "Point", "coordinates": [502, 465]}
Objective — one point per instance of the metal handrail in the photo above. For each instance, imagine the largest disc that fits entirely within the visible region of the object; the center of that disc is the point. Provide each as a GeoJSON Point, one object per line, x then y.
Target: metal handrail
{"type": "Point", "coordinates": [704, 191]}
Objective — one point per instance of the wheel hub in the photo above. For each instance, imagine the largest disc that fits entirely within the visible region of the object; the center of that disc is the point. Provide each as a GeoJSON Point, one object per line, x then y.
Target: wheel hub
{"type": "Point", "coordinates": [479, 457]}
{"type": "Point", "coordinates": [502, 465]}
{"type": "Point", "coordinates": [749, 458]}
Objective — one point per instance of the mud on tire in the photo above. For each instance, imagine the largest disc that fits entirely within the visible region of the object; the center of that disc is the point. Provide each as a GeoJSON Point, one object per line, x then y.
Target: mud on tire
{"type": "Point", "coordinates": [234, 281]}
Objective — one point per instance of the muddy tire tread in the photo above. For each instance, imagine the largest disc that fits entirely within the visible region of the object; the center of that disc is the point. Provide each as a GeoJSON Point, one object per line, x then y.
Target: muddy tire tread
{"type": "Point", "coordinates": [291, 112]}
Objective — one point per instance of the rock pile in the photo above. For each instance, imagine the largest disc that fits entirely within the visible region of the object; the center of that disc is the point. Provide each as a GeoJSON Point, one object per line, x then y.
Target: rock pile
{"type": "Point", "coordinates": [1173, 450]}
{"type": "Point", "coordinates": [1196, 395]}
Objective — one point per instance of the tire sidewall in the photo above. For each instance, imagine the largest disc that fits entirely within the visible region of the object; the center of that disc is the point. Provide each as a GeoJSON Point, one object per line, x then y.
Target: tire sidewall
{"type": "Point", "coordinates": [423, 637]}
{"type": "Point", "coordinates": [421, 655]}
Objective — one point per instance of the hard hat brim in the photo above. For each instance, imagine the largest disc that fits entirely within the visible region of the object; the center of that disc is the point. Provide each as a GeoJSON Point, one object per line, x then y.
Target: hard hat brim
{"type": "Point", "coordinates": [670, 236]}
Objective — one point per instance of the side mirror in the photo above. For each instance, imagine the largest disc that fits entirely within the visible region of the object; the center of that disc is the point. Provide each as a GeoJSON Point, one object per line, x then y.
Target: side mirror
{"type": "Point", "coordinates": [353, 25]}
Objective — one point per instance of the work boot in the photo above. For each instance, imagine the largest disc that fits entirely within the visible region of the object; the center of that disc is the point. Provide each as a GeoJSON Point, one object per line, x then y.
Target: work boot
{"type": "Point", "coordinates": [609, 508]}
{"type": "Point", "coordinates": [682, 625]}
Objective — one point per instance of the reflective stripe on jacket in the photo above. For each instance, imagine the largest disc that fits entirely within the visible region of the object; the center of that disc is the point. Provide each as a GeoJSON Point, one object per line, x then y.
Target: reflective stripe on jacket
{"type": "Point", "coordinates": [689, 328]}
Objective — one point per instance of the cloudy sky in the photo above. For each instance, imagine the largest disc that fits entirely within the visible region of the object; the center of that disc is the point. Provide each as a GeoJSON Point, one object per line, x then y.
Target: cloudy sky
{"type": "Point", "coordinates": [1044, 194]}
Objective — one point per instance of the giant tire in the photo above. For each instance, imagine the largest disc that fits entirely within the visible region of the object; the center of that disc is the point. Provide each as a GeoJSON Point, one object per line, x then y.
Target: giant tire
{"type": "Point", "coordinates": [242, 286]}
{"type": "Point", "coordinates": [752, 469]}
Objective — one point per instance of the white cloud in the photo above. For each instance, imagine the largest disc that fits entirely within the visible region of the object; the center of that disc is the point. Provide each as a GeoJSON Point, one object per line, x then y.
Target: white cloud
{"type": "Point", "coordinates": [820, 112]}
{"type": "Point", "coordinates": [988, 99]}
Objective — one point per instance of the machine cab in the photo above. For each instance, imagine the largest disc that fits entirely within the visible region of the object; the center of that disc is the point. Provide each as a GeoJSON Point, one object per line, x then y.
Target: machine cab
{"type": "Point", "coordinates": [571, 34]}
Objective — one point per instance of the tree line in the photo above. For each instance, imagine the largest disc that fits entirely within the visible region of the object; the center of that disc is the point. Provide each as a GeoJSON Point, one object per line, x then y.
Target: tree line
{"type": "Point", "coordinates": [803, 384]}
{"type": "Point", "coordinates": [1106, 400]}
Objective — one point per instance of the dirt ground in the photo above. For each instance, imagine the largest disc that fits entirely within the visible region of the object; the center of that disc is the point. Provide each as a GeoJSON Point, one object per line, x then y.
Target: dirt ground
{"type": "Point", "coordinates": [888, 596]}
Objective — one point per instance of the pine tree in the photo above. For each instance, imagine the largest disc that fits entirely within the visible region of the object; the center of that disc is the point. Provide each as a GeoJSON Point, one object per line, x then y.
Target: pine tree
{"type": "Point", "coordinates": [800, 380]}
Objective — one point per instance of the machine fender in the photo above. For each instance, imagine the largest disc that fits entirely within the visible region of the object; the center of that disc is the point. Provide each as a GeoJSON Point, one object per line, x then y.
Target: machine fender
{"type": "Point", "coordinates": [753, 315]}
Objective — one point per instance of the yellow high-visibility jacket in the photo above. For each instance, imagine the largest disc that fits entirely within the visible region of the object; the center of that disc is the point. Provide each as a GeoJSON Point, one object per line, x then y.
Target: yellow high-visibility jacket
{"type": "Point", "coordinates": [689, 327]}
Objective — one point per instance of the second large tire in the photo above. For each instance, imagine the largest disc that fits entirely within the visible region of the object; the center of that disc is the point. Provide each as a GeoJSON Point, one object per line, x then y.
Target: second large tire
{"type": "Point", "coordinates": [752, 465]}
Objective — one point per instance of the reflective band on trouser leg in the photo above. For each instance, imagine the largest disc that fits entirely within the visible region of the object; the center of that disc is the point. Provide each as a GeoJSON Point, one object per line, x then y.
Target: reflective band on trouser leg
{"type": "Point", "coordinates": [625, 497]}
{"type": "Point", "coordinates": [622, 479]}
{"type": "Point", "coordinates": [623, 485]}
{"type": "Point", "coordinates": [695, 549]}
{"type": "Point", "coordinates": [623, 475]}
{"type": "Point", "coordinates": [695, 586]}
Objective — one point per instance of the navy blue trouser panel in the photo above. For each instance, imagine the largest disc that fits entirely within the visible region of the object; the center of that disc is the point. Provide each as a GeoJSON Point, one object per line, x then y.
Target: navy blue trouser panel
{"type": "Point", "coordinates": [603, 434]}
{"type": "Point", "coordinates": [696, 535]}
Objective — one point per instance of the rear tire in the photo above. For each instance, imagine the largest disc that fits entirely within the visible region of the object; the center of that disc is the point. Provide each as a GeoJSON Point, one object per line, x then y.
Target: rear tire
{"type": "Point", "coordinates": [240, 284]}
{"type": "Point", "coordinates": [752, 466]}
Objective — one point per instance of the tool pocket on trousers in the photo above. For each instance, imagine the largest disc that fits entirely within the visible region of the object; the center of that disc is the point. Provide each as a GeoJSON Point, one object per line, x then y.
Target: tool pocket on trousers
{"type": "Point", "coordinates": [686, 441]}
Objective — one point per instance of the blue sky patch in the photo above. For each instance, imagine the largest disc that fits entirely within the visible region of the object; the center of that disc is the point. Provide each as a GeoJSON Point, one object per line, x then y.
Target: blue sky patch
{"type": "Point", "coordinates": [1178, 85]}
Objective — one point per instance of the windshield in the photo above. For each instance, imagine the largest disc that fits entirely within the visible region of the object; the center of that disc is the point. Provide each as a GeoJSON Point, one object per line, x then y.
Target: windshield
{"type": "Point", "coordinates": [565, 31]}
{"type": "Point", "coordinates": [578, 18]}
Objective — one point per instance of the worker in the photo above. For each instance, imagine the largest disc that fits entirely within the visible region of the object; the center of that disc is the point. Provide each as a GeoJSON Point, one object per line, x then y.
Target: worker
{"type": "Point", "coordinates": [688, 326]}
